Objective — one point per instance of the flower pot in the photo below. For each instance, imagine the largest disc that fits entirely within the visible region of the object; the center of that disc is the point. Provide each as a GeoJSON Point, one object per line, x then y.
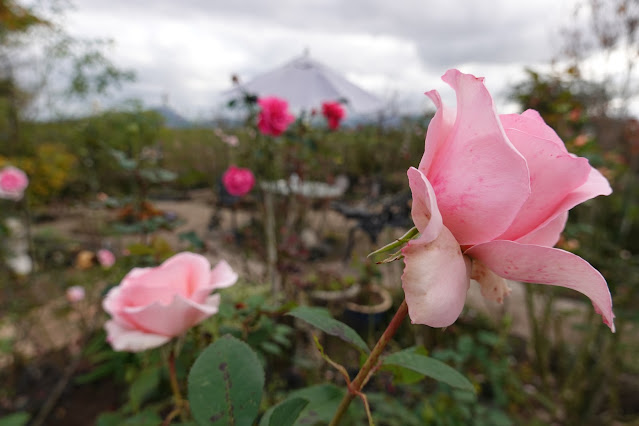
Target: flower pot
{"type": "Point", "coordinates": [368, 309]}
{"type": "Point", "coordinates": [329, 297]}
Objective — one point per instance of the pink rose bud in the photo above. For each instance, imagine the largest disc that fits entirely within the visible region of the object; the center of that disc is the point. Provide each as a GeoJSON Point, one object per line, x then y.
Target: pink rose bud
{"type": "Point", "coordinates": [106, 258]}
{"type": "Point", "coordinates": [75, 294]}
{"type": "Point", "coordinates": [334, 113]}
{"type": "Point", "coordinates": [274, 117]}
{"type": "Point", "coordinates": [238, 181]}
{"type": "Point", "coordinates": [13, 182]}
{"type": "Point", "coordinates": [490, 200]}
{"type": "Point", "coordinates": [152, 305]}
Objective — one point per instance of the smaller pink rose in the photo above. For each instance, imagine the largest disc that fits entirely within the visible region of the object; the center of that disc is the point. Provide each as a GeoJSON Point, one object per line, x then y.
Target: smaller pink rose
{"type": "Point", "coordinates": [106, 258]}
{"type": "Point", "coordinates": [152, 305]}
{"type": "Point", "coordinates": [334, 113]}
{"type": "Point", "coordinates": [75, 294]}
{"type": "Point", "coordinates": [238, 181]}
{"type": "Point", "coordinates": [13, 182]}
{"type": "Point", "coordinates": [231, 140]}
{"type": "Point", "coordinates": [274, 117]}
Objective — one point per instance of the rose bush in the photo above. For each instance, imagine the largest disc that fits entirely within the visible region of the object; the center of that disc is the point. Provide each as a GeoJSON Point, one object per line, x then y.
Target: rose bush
{"type": "Point", "coordinates": [13, 182]}
{"type": "Point", "coordinates": [334, 113]}
{"type": "Point", "coordinates": [490, 199]}
{"type": "Point", "coordinates": [274, 117]}
{"type": "Point", "coordinates": [152, 305]}
{"type": "Point", "coordinates": [238, 181]}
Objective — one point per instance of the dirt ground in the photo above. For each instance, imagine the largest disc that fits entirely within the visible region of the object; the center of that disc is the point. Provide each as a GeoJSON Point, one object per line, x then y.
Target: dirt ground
{"type": "Point", "coordinates": [57, 331]}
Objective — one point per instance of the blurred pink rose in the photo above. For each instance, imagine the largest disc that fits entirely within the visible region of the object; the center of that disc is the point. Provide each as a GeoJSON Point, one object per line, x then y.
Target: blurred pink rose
{"type": "Point", "coordinates": [106, 258]}
{"type": "Point", "coordinates": [230, 140]}
{"type": "Point", "coordinates": [490, 199]}
{"type": "Point", "coordinates": [274, 117]}
{"type": "Point", "coordinates": [75, 294]}
{"type": "Point", "coordinates": [238, 181]}
{"type": "Point", "coordinates": [13, 182]}
{"type": "Point", "coordinates": [152, 305]}
{"type": "Point", "coordinates": [334, 113]}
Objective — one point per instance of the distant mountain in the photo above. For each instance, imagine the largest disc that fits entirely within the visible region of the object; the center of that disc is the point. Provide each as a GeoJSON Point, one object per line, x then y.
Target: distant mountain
{"type": "Point", "coordinates": [171, 118]}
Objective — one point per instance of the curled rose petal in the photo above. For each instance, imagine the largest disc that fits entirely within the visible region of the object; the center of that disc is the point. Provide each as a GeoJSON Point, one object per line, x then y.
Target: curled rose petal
{"type": "Point", "coordinates": [435, 280]}
{"type": "Point", "coordinates": [424, 211]}
{"type": "Point", "coordinates": [545, 265]}
{"type": "Point", "coordinates": [439, 130]}
{"type": "Point", "coordinates": [123, 338]}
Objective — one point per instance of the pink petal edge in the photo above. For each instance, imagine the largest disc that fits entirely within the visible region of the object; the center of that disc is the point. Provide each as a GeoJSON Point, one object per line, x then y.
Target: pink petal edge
{"type": "Point", "coordinates": [438, 131]}
{"type": "Point", "coordinates": [424, 212]}
{"type": "Point", "coordinates": [122, 338]}
{"type": "Point", "coordinates": [222, 276]}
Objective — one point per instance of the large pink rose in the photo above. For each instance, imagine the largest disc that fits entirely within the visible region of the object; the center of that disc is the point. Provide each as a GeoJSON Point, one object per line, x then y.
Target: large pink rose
{"type": "Point", "coordinates": [490, 199]}
{"type": "Point", "coordinates": [153, 305]}
{"type": "Point", "coordinates": [13, 182]}
{"type": "Point", "coordinates": [238, 181]}
{"type": "Point", "coordinates": [274, 117]}
{"type": "Point", "coordinates": [334, 113]}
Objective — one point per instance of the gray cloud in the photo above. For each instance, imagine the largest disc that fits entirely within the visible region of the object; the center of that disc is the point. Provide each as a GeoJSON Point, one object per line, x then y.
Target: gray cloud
{"type": "Point", "coordinates": [396, 44]}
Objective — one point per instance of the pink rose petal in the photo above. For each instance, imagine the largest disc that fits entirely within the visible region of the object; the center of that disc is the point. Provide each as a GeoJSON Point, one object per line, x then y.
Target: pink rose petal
{"type": "Point", "coordinates": [553, 175]}
{"type": "Point", "coordinates": [531, 123]}
{"type": "Point", "coordinates": [127, 339]}
{"type": "Point", "coordinates": [170, 320]}
{"type": "Point", "coordinates": [545, 265]}
{"type": "Point", "coordinates": [435, 280]}
{"type": "Point", "coordinates": [548, 234]}
{"type": "Point", "coordinates": [480, 179]}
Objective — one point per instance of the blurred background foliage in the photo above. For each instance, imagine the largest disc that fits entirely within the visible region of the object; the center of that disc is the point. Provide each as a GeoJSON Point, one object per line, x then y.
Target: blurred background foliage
{"type": "Point", "coordinates": [590, 380]}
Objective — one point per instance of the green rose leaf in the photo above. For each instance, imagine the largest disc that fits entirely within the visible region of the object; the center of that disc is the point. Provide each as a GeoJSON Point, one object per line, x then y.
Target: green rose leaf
{"type": "Point", "coordinates": [285, 413]}
{"type": "Point", "coordinates": [429, 367]}
{"type": "Point", "coordinates": [321, 402]}
{"type": "Point", "coordinates": [320, 318]}
{"type": "Point", "coordinates": [225, 384]}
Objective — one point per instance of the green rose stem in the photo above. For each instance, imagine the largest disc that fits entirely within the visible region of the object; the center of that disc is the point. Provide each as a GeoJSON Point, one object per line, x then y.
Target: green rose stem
{"type": "Point", "coordinates": [367, 369]}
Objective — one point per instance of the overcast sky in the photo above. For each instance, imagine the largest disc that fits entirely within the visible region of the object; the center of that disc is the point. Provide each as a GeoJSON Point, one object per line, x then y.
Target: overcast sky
{"type": "Point", "coordinates": [396, 49]}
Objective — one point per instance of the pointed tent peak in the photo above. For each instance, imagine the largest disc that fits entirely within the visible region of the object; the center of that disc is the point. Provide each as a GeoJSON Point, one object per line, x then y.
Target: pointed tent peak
{"type": "Point", "coordinates": [305, 84]}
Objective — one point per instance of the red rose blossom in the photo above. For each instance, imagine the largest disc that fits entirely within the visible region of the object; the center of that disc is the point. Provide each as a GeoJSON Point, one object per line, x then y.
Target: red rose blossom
{"type": "Point", "coordinates": [274, 118]}
{"type": "Point", "coordinates": [334, 113]}
{"type": "Point", "coordinates": [238, 181]}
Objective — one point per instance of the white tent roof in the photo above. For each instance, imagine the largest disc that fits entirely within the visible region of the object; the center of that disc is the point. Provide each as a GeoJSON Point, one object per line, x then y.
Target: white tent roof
{"type": "Point", "coordinates": [305, 84]}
